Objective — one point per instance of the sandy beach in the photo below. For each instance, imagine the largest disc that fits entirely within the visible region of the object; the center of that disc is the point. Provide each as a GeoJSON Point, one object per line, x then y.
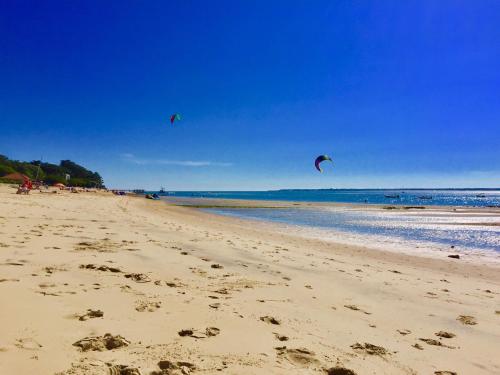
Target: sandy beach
{"type": "Point", "coordinates": [93, 283]}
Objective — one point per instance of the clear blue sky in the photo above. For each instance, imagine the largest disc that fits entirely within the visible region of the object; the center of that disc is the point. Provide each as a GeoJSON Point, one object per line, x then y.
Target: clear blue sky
{"type": "Point", "coordinates": [399, 93]}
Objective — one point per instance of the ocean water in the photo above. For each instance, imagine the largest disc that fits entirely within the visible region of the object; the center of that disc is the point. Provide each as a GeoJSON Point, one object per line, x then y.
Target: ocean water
{"type": "Point", "coordinates": [415, 229]}
{"type": "Point", "coordinates": [408, 197]}
{"type": "Point", "coordinates": [436, 230]}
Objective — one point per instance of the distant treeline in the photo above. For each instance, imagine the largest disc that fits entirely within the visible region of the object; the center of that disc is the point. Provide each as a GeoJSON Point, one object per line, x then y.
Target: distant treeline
{"type": "Point", "coordinates": [51, 173]}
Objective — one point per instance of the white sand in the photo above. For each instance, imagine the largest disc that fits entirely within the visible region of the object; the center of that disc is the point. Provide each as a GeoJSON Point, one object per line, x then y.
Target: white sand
{"type": "Point", "coordinates": [305, 284]}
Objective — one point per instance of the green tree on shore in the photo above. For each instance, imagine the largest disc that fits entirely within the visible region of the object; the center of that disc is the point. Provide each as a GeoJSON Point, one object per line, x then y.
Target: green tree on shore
{"type": "Point", "coordinates": [51, 173]}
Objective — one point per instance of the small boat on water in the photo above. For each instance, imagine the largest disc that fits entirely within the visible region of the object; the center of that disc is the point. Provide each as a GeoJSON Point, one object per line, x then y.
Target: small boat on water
{"type": "Point", "coordinates": [396, 196]}
{"type": "Point", "coordinates": [425, 197]}
{"type": "Point", "coordinates": [481, 195]}
{"type": "Point", "coordinates": [162, 190]}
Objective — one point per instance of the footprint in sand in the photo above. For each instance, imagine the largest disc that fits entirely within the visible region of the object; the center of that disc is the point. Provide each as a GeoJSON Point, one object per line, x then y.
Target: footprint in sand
{"type": "Point", "coordinates": [339, 371]}
{"type": "Point", "coordinates": [5, 280]}
{"type": "Point", "coordinates": [435, 343]}
{"type": "Point", "coordinates": [150, 306]}
{"type": "Point", "coordinates": [138, 277]}
{"type": "Point", "coordinates": [101, 343]}
{"type": "Point", "coordinates": [370, 349]}
{"type": "Point", "coordinates": [123, 370]}
{"type": "Point", "coordinates": [446, 335]}
{"type": "Point", "coordinates": [467, 319]}
{"type": "Point", "coordinates": [209, 332]}
{"type": "Point", "coordinates": [356, 308]}
{"type": "Point", "coordinates": [173, 284]}
{"type": "Point", "coordinates": [301, 356]}
{"type": "Point", "coordinates": [103, 246]}
{"type": "Point", "coordinates": [90, 314]}
{"type": "Point", "coordinates": [404, 332]}
{"type": "Point", "coordinates": [44, 293]}
{"type": "Point", "coordinates": [128, 289]}
{"type": "Point", "coordinates": [52, 269]}
{"type": "Point", "coordinates": [46, 285]}
{"type": "Point", "coordinates": [174, 368]}
{"type": "Point", "coordinates": [270, 320]}
{"type": "Point", "coordinates": [212, 331]}
{"type": "Point", "coordinates": [281, 337]}
{"type": "Point", "coordinates": [100, 268]}
{"type": "Point", "coordinates": [14, 263]}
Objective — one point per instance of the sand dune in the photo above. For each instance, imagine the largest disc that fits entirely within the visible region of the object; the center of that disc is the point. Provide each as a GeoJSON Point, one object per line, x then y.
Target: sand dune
{"type": "Point", "coordinates": [92, 283]}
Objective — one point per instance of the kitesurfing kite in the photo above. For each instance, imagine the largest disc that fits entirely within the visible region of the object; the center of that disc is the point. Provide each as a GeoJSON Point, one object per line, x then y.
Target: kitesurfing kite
{"type": "Point", "coordinates": [320, 159]}
{"type": "Point", "coordinates": [174, 117]}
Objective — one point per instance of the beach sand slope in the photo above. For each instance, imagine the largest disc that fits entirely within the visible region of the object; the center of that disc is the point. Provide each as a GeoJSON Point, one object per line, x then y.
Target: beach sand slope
{"type": "Point", "coordinates": [93, 283]}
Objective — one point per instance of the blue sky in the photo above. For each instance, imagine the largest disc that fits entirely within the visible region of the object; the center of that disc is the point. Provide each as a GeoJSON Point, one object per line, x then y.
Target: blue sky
{"type": "Point", "coordinates": [399, 93]}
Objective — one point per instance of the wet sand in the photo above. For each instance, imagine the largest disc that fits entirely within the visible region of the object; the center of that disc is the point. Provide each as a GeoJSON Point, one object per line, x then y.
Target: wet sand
{"type": "Point", "coordinates": [93, 283]}
{"type": "Point", "coordinates": [251, 203]}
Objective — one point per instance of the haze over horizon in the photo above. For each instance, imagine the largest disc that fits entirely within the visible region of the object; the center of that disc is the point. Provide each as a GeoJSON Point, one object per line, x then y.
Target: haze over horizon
{"type": "Point", "coordinates": [399, 94]}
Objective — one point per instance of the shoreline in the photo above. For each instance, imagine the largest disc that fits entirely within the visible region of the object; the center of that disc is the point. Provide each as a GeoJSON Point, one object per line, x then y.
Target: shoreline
{"type": "Point", "coordinates": [180, 268]}
{"type": "Point", "coordinates": [377, 242]}
{"type": "Point", "coordinates": [256, 203]}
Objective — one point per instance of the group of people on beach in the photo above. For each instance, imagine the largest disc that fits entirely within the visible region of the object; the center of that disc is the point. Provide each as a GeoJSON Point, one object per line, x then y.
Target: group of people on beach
{"type": "Point", "coordinates": [27, 185]}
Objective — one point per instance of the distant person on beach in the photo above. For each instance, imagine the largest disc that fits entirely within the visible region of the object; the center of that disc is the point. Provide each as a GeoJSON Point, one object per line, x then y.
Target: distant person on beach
{"type": "Point", "coordinates": [25, 187]}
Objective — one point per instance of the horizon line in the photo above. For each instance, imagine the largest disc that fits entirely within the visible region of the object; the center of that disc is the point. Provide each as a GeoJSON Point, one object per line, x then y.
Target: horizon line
{"type": "Point", "coordinates": [310, 189]}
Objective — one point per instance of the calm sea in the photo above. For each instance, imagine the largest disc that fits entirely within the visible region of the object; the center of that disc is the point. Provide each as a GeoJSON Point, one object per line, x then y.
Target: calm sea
{"type": "Point", "coordinates": [450, 197]}
{"type": "Point", "coordinates": [416, 229]}
{"type": "Point", "coordinates": [385, 228]}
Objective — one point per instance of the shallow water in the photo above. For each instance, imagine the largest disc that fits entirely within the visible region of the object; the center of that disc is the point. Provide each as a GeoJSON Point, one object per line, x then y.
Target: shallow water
{"type": "Point", "coordinates": [432, 230]}
{"type": "Point", "coordinates": [427, 197]}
